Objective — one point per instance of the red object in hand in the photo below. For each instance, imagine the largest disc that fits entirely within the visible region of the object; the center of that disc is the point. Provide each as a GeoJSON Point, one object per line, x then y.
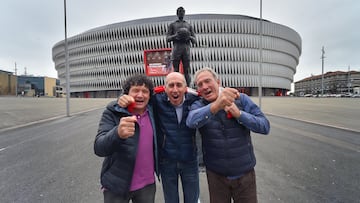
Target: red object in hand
{"type": "Point", "coordinates": [192, 91]}
{"type": "Point", "coordinates": [131, 107]}
{"type": "Point", "coordinates": [229, 115]}
{"type": "Point", "coordinates": [159, 89]}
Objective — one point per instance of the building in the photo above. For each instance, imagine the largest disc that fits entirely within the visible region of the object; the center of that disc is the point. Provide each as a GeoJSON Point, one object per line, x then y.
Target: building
{"type": "Point", "coordinates": [25, 85]}
{"type": "Point", "coordinates": [338, 82]}
{"type": "Point", "coordinates": [38, 86]}
{"type": "Point", "coordinates": [7, 83]}
{"type": "Point", "coordinates": [100, 59]}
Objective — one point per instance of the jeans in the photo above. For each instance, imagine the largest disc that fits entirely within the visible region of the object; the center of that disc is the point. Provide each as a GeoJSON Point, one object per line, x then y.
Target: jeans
{"type": "Point", "coordinates": [143, 195]}
{"type": "Point", "coordinates": [170, 171]}
{"type": "Point", "coordinates": [222, 189]}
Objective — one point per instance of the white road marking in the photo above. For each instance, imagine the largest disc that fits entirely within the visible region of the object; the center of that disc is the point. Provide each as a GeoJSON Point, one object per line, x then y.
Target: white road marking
{"type": "Point", "coordinates": [322, 138]}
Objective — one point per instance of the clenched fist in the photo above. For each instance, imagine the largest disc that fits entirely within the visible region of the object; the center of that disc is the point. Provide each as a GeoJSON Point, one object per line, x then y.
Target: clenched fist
{"type": "Point", "coordinates": [125, 100]}
{"type": "Point", "coordinates": [126, 127]}
{"type": "Point", "coordinates": [226, 98]}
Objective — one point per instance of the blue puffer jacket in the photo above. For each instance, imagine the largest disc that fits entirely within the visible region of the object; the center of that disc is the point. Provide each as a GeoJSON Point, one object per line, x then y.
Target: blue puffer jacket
{"type": "Point", "coordinates": [176, 141]}
{"type": "Point", "coordinates": [226, 143]}
{"type": "Point", "coordinates": [120, 154]}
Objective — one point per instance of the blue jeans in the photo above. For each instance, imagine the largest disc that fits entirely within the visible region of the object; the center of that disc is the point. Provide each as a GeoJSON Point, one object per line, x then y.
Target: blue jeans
{"type": "Point", "coordinates": [170, 171]}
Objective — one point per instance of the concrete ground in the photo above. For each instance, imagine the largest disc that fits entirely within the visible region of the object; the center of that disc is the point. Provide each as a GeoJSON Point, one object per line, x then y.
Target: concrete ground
{"type": "Point", "coordinates": [337, 112]}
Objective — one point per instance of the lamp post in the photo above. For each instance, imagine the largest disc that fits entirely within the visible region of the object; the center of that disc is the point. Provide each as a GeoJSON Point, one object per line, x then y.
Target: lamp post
{"type": "Point", "coordinates": [261, 56]}
{"type": "Point", "coordinates": [16, 86]}
{"type": "Point", "coordinates": [322, 71]}
{"type": "Point", "coordinates": [349, 80]}
{"type": "Point", "coordinates": [67, 66]}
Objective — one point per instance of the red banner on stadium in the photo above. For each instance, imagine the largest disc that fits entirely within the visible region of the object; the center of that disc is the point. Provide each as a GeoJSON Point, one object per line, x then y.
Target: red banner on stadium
{"type": "Point", "coordinates": [158, 62]}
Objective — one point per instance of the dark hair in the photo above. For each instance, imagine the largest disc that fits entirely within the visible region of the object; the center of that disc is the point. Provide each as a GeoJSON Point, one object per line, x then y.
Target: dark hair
{"type": "Point", "coordinates": [179, 9]}
{"type": "Point", "coordinates": [138, 80]}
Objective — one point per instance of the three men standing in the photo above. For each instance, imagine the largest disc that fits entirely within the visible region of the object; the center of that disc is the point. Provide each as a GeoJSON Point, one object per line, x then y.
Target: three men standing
{"type": "Point", "coordinates": [223, 116]}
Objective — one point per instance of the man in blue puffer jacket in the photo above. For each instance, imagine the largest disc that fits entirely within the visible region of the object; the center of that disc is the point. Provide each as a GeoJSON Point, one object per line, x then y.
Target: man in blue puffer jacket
{"type": "Point", "coordinates": [177, 146]}
{"type": "Point", "coordinates": [225, 118]}
{"type": "Point", "coordinates": [127, 140]}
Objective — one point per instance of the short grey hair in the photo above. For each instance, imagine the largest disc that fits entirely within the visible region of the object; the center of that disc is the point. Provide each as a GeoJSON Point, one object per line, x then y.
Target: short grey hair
{"type": "Point", "coordinates": [213, 73]}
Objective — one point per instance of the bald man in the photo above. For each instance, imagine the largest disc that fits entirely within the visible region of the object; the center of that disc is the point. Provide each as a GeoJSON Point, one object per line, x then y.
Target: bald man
{"type": "Point", "coordinates": [176, 141]}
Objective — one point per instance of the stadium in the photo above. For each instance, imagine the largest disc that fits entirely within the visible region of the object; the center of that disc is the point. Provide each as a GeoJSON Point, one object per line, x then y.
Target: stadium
{"type": "Point", "coordinates": [234, 46]}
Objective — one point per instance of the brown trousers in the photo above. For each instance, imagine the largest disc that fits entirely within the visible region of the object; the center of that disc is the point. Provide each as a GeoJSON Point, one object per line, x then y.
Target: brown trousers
{"type": "Point", "coordinates": [223, 190]}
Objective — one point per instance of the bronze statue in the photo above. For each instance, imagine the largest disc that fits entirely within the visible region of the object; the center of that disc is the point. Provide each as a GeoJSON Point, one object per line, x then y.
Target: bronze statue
{"type": "Point", "coordinates": [181, 33]}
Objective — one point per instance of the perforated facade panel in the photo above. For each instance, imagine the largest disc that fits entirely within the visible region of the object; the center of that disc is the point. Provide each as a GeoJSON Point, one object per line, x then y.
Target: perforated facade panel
{"type": "Point", "coordinates": [102, 58]}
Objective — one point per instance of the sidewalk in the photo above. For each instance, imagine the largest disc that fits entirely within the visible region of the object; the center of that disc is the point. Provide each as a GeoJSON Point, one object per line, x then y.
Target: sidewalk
{"type": "Point", "coordinates": [337, 112]}
{"type": "Point", "coordinates": [19, 111]}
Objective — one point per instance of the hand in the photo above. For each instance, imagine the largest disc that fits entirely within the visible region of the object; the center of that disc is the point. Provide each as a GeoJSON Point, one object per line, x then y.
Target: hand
{"type": "Point", "coordinates": [232, 111]}
{"type": "Point", "coordinates": [125, 100]}
{"type": "Point", "coordinates": [227, 97]}
{"type": "Point", "coordinates": [177, 36]}
{"type": "Point", "coordinates": [126, 127]}
{"type": "Point", "coordinates": [192, 91]}
{"type": "Point", "coordinates": [159, 89]}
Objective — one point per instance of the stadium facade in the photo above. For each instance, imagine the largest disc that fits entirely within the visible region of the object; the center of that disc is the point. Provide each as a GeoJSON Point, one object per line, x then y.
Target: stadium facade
{"type": "Point", "coordinates": [101, 59]}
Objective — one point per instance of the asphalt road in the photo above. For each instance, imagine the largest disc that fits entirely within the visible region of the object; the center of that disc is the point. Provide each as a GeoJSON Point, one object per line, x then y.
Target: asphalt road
{"type": "Point", "coordinates": [303, 162]}
{"type": "Point", "coordinates": [53, 160]}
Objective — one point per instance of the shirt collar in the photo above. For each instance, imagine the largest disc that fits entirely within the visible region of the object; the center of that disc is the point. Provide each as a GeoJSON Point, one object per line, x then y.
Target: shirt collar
{"type": "Point", "coordinates": [144, 113]}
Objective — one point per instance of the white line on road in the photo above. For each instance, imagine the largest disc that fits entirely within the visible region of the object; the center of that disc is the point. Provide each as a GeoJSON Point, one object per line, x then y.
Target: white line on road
{"type": "Point", "coordinates": [313, 122]}
{"type": "Point", "coordinates": [322, 138]}
{"type": "Point", "coordinates": [2, 149]}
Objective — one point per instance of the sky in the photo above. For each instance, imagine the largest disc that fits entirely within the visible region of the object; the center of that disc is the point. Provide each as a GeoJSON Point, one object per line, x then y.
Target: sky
{"type": "Point", "coordinates": [30, 28]}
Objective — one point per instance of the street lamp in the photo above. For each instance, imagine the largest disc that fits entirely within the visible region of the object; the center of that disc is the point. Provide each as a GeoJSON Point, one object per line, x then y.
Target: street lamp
{"type": "Point", "coordinates": [349, 81]}
{"type": "Point", "coordinates": [67, 66]}
{"type": "Point", "coordinates": [322, 72]}
{"type": "Point", "coordinates": [16, 86]}
{"type": "Point", "coordinates": [261, 56]}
